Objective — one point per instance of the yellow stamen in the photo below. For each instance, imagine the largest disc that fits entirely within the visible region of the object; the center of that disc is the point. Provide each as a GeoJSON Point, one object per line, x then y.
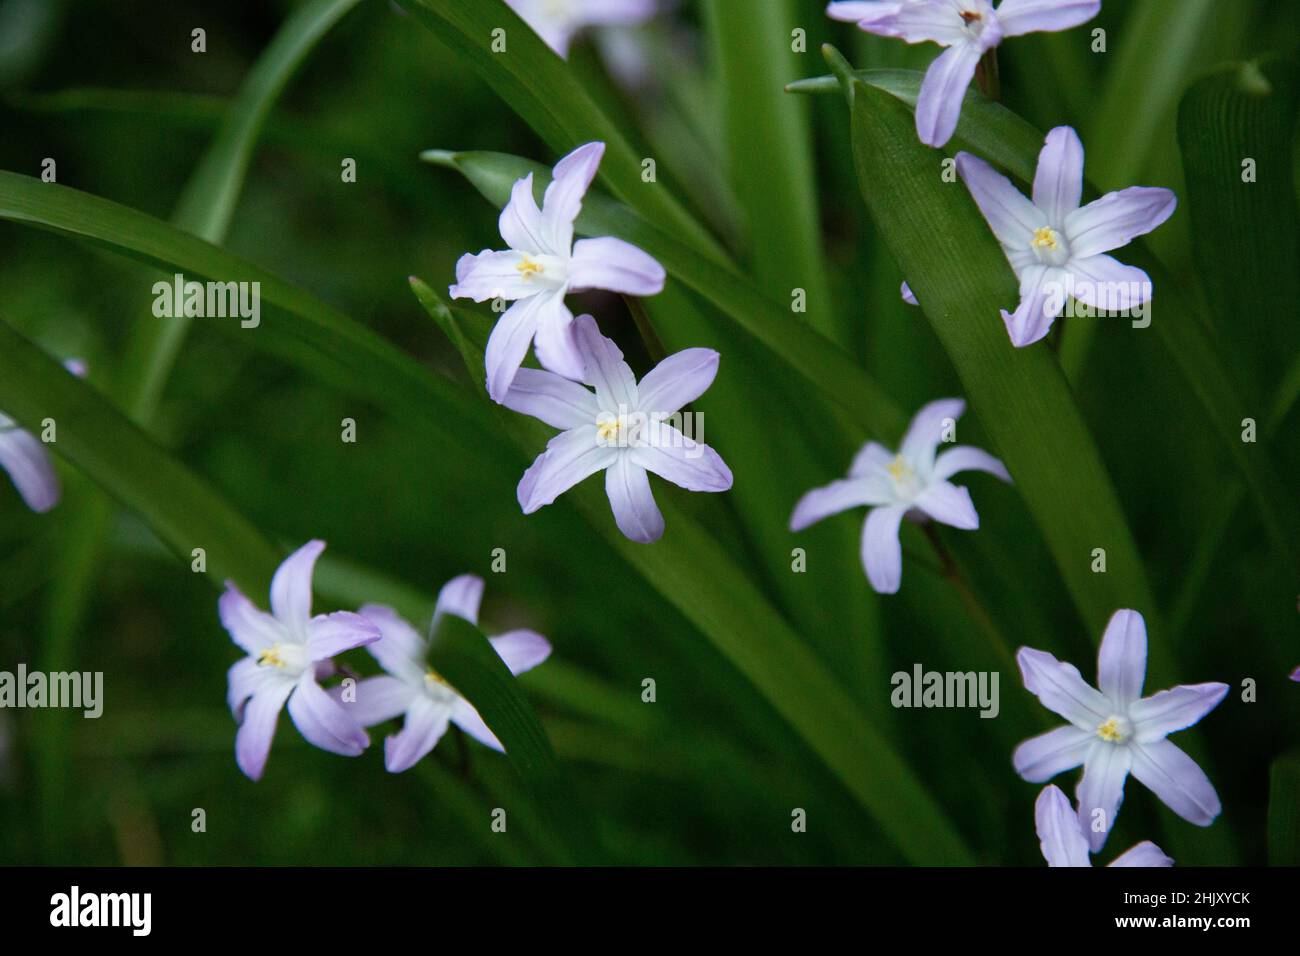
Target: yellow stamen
{"type": "Point", "coordinates": [433, 677]}
{"type": "Point", "coordinates": [608, 429]}
{"type": "Point", "coordinates": [271, 657]}
{"type": "Point", "coordinates": [1045, 237]}
{"type": "Point", "coordinates": [899, 469]}
{"type": "Point", "coordinates": [970, 16]}
{"type": "Point", "coordinates": [529, 267]}
{"type": "Point", "coordinates": [1110, 732]}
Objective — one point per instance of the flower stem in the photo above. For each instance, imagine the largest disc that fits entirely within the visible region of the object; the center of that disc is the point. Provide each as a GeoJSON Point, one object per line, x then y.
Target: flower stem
{"type": "Point", "coordinates": [949, 569]}
{"type": "Point", "coordinates": [986, 75]}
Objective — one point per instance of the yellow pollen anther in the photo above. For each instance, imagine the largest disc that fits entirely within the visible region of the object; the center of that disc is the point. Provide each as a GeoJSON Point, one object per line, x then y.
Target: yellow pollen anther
{"type": "Point", "coordinates": [1045, 237]}
{"type": "Point", "coordinates": [529, 267]}
{"type": "Point", "coordinates": [899, 469]}
{"type": "Point", "coordinates": [1110, 732]}
{"type": "Point", "coordinates": [608, 429]}
{"type": "Point", "coordinates": [433, 677]}
{"type": "Point", "coordinates": [271, 657]}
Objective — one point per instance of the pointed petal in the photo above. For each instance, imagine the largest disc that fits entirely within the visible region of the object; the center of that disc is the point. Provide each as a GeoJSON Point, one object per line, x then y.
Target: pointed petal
{"type": "Point", "coordinates": [1062, 690]}
{"type": "Point", "coordinates": [1102, 788]}
{"type": "Point", "coordinates": [28, 463]}
{"type": "Point", "coordinates": [854, 11]}
{"type": "Point", "coordinates": [1107, 284]}
{"type": "Point", "coordinates": [330, 634]}
{"type": "Point", "coordinates": [563, 200]}
{"type": "Point", "coordinates": [1145, 853]}
{"type": "Point", "coordinates": [1058, 181]}
{"type": "Point", "coordinates": [606, 371]}
{"type": "Point", "coordinates": [1122, 658]}
{"type": "Point", "coordinates": [323, 721]}
{"type": "Point", "coordinates": [244, 679]}
{"type": "Point", "coordinates": [1019, 17]}
{"type": "Point", "coordinates": [678, 380]}
{"type": "Point", "coordinates": [521, 221]}
{"type": "Point", "coordinates": [491, 275]}
{"type": "Point", "coordinates": [1041, 300]}
{"type": "Point", "coordinates": [1177, 780]}
{"type": "Point", "coordinates": [926, 21]}
{"type": "Point", "coordinates": [1041, 758]}
{"type": "Point", "coordinates": [377, 699]}
{"type": "Point", "coordinates": [882, 553]}
{"type": "Point", "coordinates": [1161, 714]}
{"type": "Point", "coordinates": [464, 716]}
{"type": "Point", "coordinates": [1116, 219]}
{"type": "Point", "coordinates": [905, 291]}
{"type": "Point", "coordinates": [836, 497]}
{"type": "Point", "coordinates": [461, 596]}
{"type": "Point", "coordinates": [425, 724]}
{"type": "Point", "coordinates": [400, 649]}
{"type": "Point", "coordinates": [569, 458]}
{"type": "Point", "coordinates": [614, 265]}
{"type": "Point", "coordinates": [938, 106]}
{"type": "Point", "coordinates": [508, 343]}
{"type": "Point", "coordinates": [968, 458]}
{"type": "Point", "coordinates": [870, 458]}
{"type": "Point", "coordinates": [556, 345]}
{"type": "Point", "coordinates": [1011, 216]}
{"type": "Point", "coordinates": [257, 729]}
{"type": "Point", "coordinates": [926, 431]}
{"type": "Point", "coordinates": [521, 649]}
{"type": "Point", "coordinates": [628, 487]}
{"type": "Point", "coordinates": [1059, 837]}
{"type": "Point", "coordinates": [248, 625]}
{"type": "Point", "coordinates": [552, 398]}
{"type": "Point", "coordinates": [950, 504]}
{"type": "Point", "coordinates": [291, 587]}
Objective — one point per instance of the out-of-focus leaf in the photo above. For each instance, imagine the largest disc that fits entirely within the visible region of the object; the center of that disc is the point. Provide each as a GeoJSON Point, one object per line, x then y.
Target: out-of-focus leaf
{"type": "Point", "coordinates": [816, 359]}
{"type": "Point", "coordinates": [696, 575]}
{"type": "Point", "coordinates": [1284, 811]}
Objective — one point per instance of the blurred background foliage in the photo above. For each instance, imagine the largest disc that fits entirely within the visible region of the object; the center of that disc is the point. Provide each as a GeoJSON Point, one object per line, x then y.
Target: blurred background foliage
{"type": "Point", "coordinates": [710, 772]}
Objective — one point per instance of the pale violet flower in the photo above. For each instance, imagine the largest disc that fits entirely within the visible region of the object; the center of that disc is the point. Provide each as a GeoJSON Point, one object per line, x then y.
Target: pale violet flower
{"type": "Point", "coordinates": [908, 296]}
{"type": "Point", "coordinates": [288, 651]}
{"type": "Point", "coordinates": [24, 458]}
{"type": "Point", "coordinates": [542, 265]}
{"type": "Point", "coordinates": [969, 29]}
{"type": "Point", "coordinates": [557, 22]}
{"type": "Point", "coordinates": [912, 483]}
{"type": "Point", "coordinates": [1115, 731]}
{"type": "Point", "coordinates": [1063, 840]}
{"type": "Point", "coordinates": [414, 689]}
{"type": "Point", "coordinates": [1056, 247]}
{"type": "Point", "coordinates": [624, 429]}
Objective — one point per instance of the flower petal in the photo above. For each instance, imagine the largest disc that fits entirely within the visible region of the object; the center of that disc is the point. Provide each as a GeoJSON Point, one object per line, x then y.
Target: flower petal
{"type": "Point", "coordinates": [1145, 853]}
{"type": "Point", "coordinates": [491, 275]}
{"type": "Point", "coordinates": [508, 343]}
{"type": "Point", "coordinates": [882, 553]}
{"type": "Point", "coordinates": [1058, 181]}
{"type": "Point", "coordinates": [556, 400]}
{"type": "Point", "coordinates": [919, 21]}
{"type": "Point", "coordinates": [424, 726]}
{"type": "Point", "coordinates": [400, 649]}
{"type": "Point", "coordinates": [1011, 216]}
{"type": "Point", "coordinates": [1116, 219]}
{"type": "Point", "coordinates": [521, 649]}
{"type": "Point", "coordinates": [1062, 690]}
{"type": "Point", "coordinates": [248, 625]}
{"type": "Point", "coordinates": [854, 11]}
{"type": "Point", "coordinates": [555, 344]}
{"type": "Point", "coordinates": [938, 106]}
{"type": "Point", "coordinates": [678, 380]}
{"type": "Point", "coordinates": [1041, 299]}
{"type": "Point", "coordinates": [28, 463]}
{"type": "Point", "coordinates": [949, 504]}
{"type": "Point", "coordinates": [291, 588]}
{"type": "Point", "coordinates": [870, 458]}
{"type": "Point", "coordinates": [1168, 711]}
{"type": "Point", "coordinates": [1122, 658]}
{"type": "Point", "coordinates": [377, 699]}
{"type": "Point", "coordinates": [1107, 284]}
{"type": "Point", "coordinates": [1041, 758]}
{"type": "Point", "coordinates": [836, 497]}
{"type": "Point", "coordinates": [569, 458]}
{"type": "Point", "coordinates": [244, 679]}
{"type": "Point", "coordinates": [1102, 788]}
{"type": "Point", "coordinates": [605, 369]}
{"type": "Point", "coordinates": [323, 721]}
{"type": "Point", "coordinates": [905, 291]}
{"type": "Point", "coordinates": [1059, 837]}
{"type": "Point", "coordinates": [330, 634]}
{"type": "Point", "coordinates": [683, 461]}
{"type": "Point", "coordinates": [563, 200]}
{"type": "Point", "coordinates": [257, 729]}
{"type": "Point", "coordinates": [1019, 17]}
{"type": "Point", "coordinates": [464, 716]}
{"type": "Point", "coordinates": [628, 487]}
{"type": "Point", "coordinates": [614, 265]}
{"type": "Point", "coordinates": [521, 221]}
{"type": "Point", "coordinates": [926, 431]}
{"type": "Point", "coordinates": [1177, 780]}
{"type": "Point", "coordinates": [968, 458]}
{"type": "Point", "coordinates": [461, 596]}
